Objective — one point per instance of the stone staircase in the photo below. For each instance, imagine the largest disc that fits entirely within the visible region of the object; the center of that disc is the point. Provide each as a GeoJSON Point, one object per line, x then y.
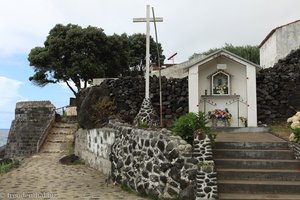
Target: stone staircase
{"type": "Point", "coordinates": [256, 170]}
{"type": "Point", "coordinates": [61, 135]}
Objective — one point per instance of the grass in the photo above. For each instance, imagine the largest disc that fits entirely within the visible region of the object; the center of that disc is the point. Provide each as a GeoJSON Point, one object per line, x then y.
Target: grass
{"type": "Point", "coordinates": [281, 129]}
{"type": "Point", "coordinates": [5, 167]}
{"type": "Point", "coordinates": [79, 162]}
{"type": "Point", "coordinates": [70, 147]}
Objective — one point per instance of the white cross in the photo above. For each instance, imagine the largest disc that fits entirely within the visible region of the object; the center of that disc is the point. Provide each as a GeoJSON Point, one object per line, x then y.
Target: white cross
{"type": "Point", "coordinates": [147, 20]}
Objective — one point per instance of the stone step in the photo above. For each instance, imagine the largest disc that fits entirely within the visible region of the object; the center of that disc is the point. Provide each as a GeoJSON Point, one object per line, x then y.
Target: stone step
{"type": "Point", "coordinates": [254, 154]}
{"type": "Point", "coordinates": [258, 174]}
{"type": "Point", "coordinates": [64, 131]}
{"type": "Point", "coordinates": [66, 125]}
{"type": "Point", "coordinates": [51, 147]}
{"type": "Point", "coordinates": [257, 164]}
{"type": "Point", "coordinates": [59, 138]}
{"type": "Point", "coordinates": [258, 187]}
{"type": "Point", "coordinates": [251, 145]}
{"type": "Point", "coordinates": [230, 196]}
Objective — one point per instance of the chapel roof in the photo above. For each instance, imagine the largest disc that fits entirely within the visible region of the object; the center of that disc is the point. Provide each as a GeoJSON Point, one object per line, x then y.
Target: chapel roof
{"type": "Point", "coordinates": [273, 31]}
{"type": "Point", "coordinates": [224, 53]}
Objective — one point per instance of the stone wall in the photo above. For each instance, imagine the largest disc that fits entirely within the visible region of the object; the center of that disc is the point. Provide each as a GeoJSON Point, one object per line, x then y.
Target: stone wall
{"type": "Point", "coordinates": [278, 89]}
{"type": "Point", "coordinates": [128, 94]}
{"type": "Point", "coordinates": [29, 128]}
{"type": "Point", "coordinates": [206, 180]}
{"type": "Point", "coordinates": [152, 162]}
{"type": "Point", "coordinates": [94, 146]}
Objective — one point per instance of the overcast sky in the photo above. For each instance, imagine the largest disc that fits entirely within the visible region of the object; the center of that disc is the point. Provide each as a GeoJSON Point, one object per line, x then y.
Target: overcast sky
{"type": "Point", "coordinates": [189, 26]}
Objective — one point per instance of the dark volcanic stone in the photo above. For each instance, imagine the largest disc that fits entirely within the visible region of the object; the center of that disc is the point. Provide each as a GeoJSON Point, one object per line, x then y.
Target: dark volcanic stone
{"type": "Point", "coordinates": [173, 154]}
{"type": "Point", "coordinates": [165, 166]}
{"type": "Point", "coordinates": [149, 166]}
{"type": "Point", "coordinates": [161, 145]}
{"type": "Point", "coordinates": [175, 174]}
{"type": "Point", "coordinates": [67, 160]}
{"type": "Point", "coordinates": [163, 179]}
{"type": "Point", "coordinates": [187, 193]}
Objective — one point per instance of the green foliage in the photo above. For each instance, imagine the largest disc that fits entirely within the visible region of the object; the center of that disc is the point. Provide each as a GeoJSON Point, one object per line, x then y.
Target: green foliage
{"type": "Point", "coordinates": [79, 162]}
{"type": "Point", "coordinates": [187, 124]}
{"type": "Point", "coordinates": [248, 52]}
{"type": "Point", "coordinates": [76, 54]}
{"type": "Point", "coordinates": [126, 188]}
{"type": "Point", "coordinates": [70, 53]}
{"type": "Point", "coordinates": [104, 108]}
{"type": "Point", "coordinates": [105, 105]}
{"type": "Point", "coordinates": [5, 167]}
{"type": "Point", "coordinates": [296, 132]}
{"type": "Point", "coordinates": [143, 125]}
{"type": "Point", "coordinates": [137, 53]}
{"type": "Point", "coordinates": [206, 164]}
{"type": "Point", "coordinates": [70, 147]}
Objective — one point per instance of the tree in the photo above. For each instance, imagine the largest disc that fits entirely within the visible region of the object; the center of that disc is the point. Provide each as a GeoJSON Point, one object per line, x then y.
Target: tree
{"type": "Point", "coordinates": [70, 53]}
{"type": "Point", "coordinates": [137, 55]}
{"type": "Point", "coordinates": [248, 52]}
{"type": "Point", "coordinates": [76, 54]}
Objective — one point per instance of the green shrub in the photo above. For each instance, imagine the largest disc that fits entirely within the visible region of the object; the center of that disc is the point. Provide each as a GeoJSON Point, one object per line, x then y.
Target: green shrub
{"type": "Point", "coordinates": [5, 167]}
{"type": "Point", "coordinates": [104, 108]}
{"type": "Point", "coordinates": [187, 124]}
{"type": "Point", "coordinates": [142, 125]}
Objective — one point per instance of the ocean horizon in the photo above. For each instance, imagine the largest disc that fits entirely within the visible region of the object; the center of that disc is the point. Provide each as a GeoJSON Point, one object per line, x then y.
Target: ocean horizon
{"type": "Point", "coordinates": [3, 136]}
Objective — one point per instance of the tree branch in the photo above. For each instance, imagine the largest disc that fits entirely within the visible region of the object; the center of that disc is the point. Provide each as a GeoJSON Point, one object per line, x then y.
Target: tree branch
{"type": "Point", "coordinates": [74, 92]}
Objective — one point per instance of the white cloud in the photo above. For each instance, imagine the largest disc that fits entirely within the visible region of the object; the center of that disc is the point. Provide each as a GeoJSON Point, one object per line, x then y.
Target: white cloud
{"type": "Point", "coordinates": [9, 94]}
{"type": "Point", "coordinates": [189, 26]}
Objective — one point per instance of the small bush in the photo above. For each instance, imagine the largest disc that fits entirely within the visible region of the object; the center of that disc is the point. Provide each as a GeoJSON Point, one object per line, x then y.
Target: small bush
{"type": "Point", "coordinates": [142, 125]}
{"type": "Point", "coordinates": [104, 108]}
{"type": "Point", "coordinates": [5, 167]}
{"type": "Point", "coordinates": [187, 124]}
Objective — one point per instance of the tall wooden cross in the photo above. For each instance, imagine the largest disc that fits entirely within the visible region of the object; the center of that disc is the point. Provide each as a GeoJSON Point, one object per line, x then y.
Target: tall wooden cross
{"type": "Point", "coordinates": [147, 20]}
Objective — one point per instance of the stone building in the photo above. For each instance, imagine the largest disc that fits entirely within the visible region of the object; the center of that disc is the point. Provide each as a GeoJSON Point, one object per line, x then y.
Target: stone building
{"type": "Point", "coordinates": [279, 43]}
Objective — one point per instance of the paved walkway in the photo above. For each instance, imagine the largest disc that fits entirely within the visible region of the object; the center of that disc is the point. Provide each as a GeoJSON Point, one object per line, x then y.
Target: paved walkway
{"type": "Point", "coordinates": [43, 174]}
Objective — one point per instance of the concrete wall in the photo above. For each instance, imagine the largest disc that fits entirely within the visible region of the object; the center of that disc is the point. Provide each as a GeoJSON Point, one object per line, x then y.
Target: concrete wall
{"type": "Point", "coordinates": [33, 119]}
{"type": "Point", "coordinates": [268, 52]}
{"type": "Point", "coordinates": [280, 44]}
{"type": "Point", "coordinates": [94, 146]}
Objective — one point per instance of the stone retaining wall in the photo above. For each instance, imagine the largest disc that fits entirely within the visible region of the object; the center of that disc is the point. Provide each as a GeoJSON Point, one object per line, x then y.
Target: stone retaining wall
{"type": "Point", "coordinates": [128, 94]}
{"type": "Point", "coordinates": [278, 89]}
{"type": "Point", "coordinates": [94, 146]}
{"type": "Point", "coordinates": [31, 123]}
{"type": "Point", "coordinates": [152, 162]}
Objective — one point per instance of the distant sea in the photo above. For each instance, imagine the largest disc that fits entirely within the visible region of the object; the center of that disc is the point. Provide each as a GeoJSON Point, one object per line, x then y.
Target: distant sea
{"type": "Point", "coordinates": [3, 136]}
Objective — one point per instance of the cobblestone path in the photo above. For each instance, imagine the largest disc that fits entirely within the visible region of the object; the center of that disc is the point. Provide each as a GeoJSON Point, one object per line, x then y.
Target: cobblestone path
{"type": "Point", "coordinates": [41, 176]}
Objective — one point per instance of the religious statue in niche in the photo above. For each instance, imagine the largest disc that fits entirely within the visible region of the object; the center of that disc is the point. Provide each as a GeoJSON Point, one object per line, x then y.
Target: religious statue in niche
{"type": "Point", "coordinates": [220, 84]}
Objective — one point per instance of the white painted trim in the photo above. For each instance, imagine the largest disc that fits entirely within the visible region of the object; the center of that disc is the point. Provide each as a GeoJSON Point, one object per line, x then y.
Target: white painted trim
{"type": "Point", "coordinates": [193, 81]}
{"type": "Point", "coordinates": [251, 96]}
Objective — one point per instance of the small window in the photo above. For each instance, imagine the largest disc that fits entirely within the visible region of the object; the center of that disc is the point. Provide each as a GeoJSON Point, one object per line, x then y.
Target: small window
{"type": "Point", "coordinates": [220, 83]}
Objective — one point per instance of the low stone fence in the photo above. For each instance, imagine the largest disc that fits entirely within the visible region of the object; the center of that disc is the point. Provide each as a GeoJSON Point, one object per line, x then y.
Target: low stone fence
{"type": "Point", "coordinates": [152, 162]}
